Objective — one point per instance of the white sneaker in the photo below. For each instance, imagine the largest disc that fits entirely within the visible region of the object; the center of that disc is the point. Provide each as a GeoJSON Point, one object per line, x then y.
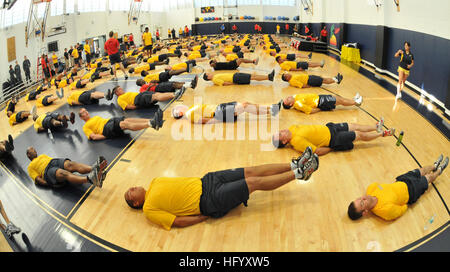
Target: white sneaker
{"type": "Point", "coordinates": [358, 99]}
{"type": "Point", "coordinates": [380, 125]}
{"type": "Point", "coordinates": [399, 95]}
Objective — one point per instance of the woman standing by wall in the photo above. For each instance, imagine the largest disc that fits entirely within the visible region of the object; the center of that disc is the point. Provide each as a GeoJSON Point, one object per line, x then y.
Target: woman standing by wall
{"type": "Point", "coordinates": [406, 62]}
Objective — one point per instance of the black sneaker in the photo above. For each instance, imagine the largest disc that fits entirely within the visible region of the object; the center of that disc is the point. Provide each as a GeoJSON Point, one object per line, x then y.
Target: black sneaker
{"type": "Point", "coordinates": [111, 71]}
{"type": "Point", "coordinates": [275, 108]}
{"type": "Point", "coordinates": [339, 78]}
{"type": "Point", "coordinates": [72, 118]}
{"type": "Point", "coordinates": [126, 77]}
{"type": "Point", "coordinates": [109, 95]}
{"type": "Point", "coordinates": [167, 61]}
{"type": "Point", "coordinates": [194, 82]}
{"type": "Point", "coordinates": [180, 93]}
{"type": "Point", "coordinates": [271, 75]}
{"type": "Point", "coordinates": [310, 55]}
{"type": "Point", "coordinates": [60, 93]}
{"type": "Point", "coordinates": [11, 140]}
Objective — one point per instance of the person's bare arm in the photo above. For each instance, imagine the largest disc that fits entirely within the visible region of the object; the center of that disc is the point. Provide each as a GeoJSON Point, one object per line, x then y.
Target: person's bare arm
{"type": "Point", "coordinates": [96, 137]}
{"type": "Point", "coordinates": [320, 151]}
{"type": "Point", "coordinates": [41, 181]}
{"type": "Point", "coordinates": [186, 221]}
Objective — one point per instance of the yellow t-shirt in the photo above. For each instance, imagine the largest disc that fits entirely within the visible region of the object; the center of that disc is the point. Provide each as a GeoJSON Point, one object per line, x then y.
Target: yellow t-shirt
{"type": "Point", "coordinates": [153, 59]}
{"type": "Point", "coordinates": [55, 59]}
{"type": "Point", "coordinates": [73, 85]}
{"type": "Point", "coordinates": [39, 101]}
{"type": "Point", "coordinates": [281, 55]}
{"type": "Point", "coordinates": [392, 199]}
{"type": "Point", "coordinates": [88, 74]}
{"type": "Point", "coordinates": [38, 122]}
{"type": "Point", "coordinates": [167, 198]}
{"type": "Point", "coordinates": [154, 76]}
{"type": "Point", "coordinates": [87, 48]}
{"type": "Point", "coordinates": [197, 112]}
{"type": "Point", "coordinates": [278, 27]}
{"type": "Point", "coordinates": [147, 37]}
{"type": "Point", "coordinates": [194, 55]}
{"type": "Point", "coordinates": [196, 48]}
{"type": "Point", "coordinates": [75, 54]}
{"type": "Point", "coordinates": [288, 65]}
{"type": "Point", "coordinates": [179, 66]}
{"type": "Point", "coordinates": [94, 125]}
{"type": "Point", "coordinates": [309, 135]}
{"type": "Point", "coordinates": [299, 80]}
{"type": "Point", "coordinates": [37, 166]}
{"type": "Point", "coordinates": [73, 97]}
{"type": "Point", "coordinates": [306, 102]}
{"type": "Point", "coordinates": [142, 67]}
{"type": "Point", "coordinates": [12, 119]}
{"type": "Point", "coordinates": [126, 99]}
{"type": "Point", "coordinates": [219, 79]}
{"type": "Point", "coordinates": [231, 57]}
{"type": "Point", "coordinates": [62, 83]}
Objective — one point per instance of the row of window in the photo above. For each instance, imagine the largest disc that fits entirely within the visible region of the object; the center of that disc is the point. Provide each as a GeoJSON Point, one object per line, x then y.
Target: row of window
{"type": "Point", "coordinates": [19, 12]}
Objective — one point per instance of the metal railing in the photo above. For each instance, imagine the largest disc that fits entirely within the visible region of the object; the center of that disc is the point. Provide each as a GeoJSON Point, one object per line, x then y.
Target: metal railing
{"type": "Point", "coordinates": [18, 90]}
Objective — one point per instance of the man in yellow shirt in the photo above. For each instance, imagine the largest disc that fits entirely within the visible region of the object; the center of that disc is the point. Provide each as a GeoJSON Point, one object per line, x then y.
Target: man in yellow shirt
{"type": "Point", "coordinates": [19, 117]}
{"type": "Point", "coordinates": [132, 100]}
{"type": "Point", "coordinates": [330, 137]}
{"type": "Point", "coordinates": [87, 50]}
{"type": "Point", "coordinates": [288, 65]}
{"type": "Point", "coordinates": [90, 97]}
{"type": "Point", "coordinates": [225, 112]}
{"type": "Point", "coordinates": [6, 148]}
{"type": "Point", "coordinates": [290, 57]}
{"type": "Point", "coordinates": [52, 121]}
{"type": "Point", "coordinates": [308, 81]}
{"type": "Point", "coordinates": [45, 101]}
{"type": "Point", "coordinates": [11, 106]}
{"type": "Point", "coordinates": [98, 128]}
{"type": "Point", "coordinates": [390, 201]}
{"type": "Point", "coordinates": [55, 60]}
{"type": "Point", "coordinates": [148, 42]}
{"type": "Point", "coordinates": [76, 56]}
{"type": "Point", "coordinates": [47, 171]}
{"type": "Point", "coordinates": [312, 103]}
{"type": "Point", "coordinates": [227, 79]}
{"type": "Point", "coordinates": [185, 201]}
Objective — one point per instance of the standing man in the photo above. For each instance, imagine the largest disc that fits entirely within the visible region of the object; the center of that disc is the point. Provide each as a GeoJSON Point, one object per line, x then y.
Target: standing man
{"type": "Point", "coordinates": [131, 39]}
{"type": "Point", "coordinates": [278, 29]}
{"type": "Point", "coordinates": [18, 73]}
{"type": "Point", "coordinates": [287, 28]}
{"type": "Point", "coordinates": [112, 48]}
{"type": "Point", "coordinates": [55, 61]}
{"type": "Point", "coordinates": [26, 68]}
{"type": "Point", "coordinates": [66, 58]}
{"type": "Point", "coordinates": [173, 33]}
{"type": "Point", "coordinates": [324, 34]}
{"type": "Point", "coordinates": [222, 29]}
{"type": "Point", "coordinates": [148, 42]}
{"type": "Point", "coordinates": [157, 35]}
{"type": "Point", "coordinates": [12, 76]}
{"type": "Point", "coordinates": [87, 49]}
{"type": "Point", "coordinates": [71, 56]}
{"type": "Point", "coordinates": [186, 31]}
{"type": "Point", "coordinates": [234, 27]}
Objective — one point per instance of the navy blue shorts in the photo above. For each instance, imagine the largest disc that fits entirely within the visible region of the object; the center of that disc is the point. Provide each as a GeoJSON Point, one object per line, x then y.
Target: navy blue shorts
{"type": "Point", "coordinates": [417, 184]}
{"type": "Point", "coordinates": [341, 138]}
{"type": "Point", "coordinates": [223, 191]}
{"type": "Point", "coordinates": [50, 172]}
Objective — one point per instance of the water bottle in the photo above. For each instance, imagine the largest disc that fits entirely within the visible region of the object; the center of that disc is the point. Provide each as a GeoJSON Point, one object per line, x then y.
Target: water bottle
{"type": "Point", "coordinates": [400, 137]}
{"type": "Point", "coordinates": [50, 134]}
{"type": "Point", "coordinates": [429, 222]}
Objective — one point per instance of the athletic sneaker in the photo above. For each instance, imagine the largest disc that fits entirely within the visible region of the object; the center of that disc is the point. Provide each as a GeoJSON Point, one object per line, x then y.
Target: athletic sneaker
{"type": "Point", "coordinates": [179, 92]}
{"type": "Point", "coordinates": [126, 76]}
{"type": "Point", "coordinates": [389, 132]}
{"type": "Point", "coordinates": [271, 75]}
{"type": "Point", "coordinates": [310, 55]}
{"type": "Point", "coordinates": [444, 164]}
{"type": "Point", "coordinates": [11, 229]}
{"type": "Point", "coordinates": [111, 71]}
{"type": "Point", "coordinates": [194, 82]}
{"type": "Point", "coordinates": [438, 162]}
{"type": "Point", "coordinates": [322, 63]}
{"type": "Point", "coordinates": [275, 108]}
{"type": "Point", "coordinates": [72, 118]}
{"type": "Point", "coordinates": [358, 99]}
{"type": "Point", "coordinates": [189, 68]}
{"type": "Point", "coordinates": [95, 177]}
{"type": "Point", "coordinates": [33, 111]}
{"type": "Point", "coordinates": [11, 141]}
{"type": "Point", "coordinates": [167, 61]}
{"type": "Point", "coordinates": [310, 166]}
{"type": "Point", "coordinates": [256, 61]}
{"type": "Point", "coordinates": [109, 95]}
{"type": "Point", "coordinates": [300, 161]}
{"type": "Point", "coordinates": [60, 94]}
{"type": "Point", "coordinates": [380, 125]}
{"type": "Point", "coordinates": [339, 78]}
{"type": "Point", "coordinates": [399, 95]}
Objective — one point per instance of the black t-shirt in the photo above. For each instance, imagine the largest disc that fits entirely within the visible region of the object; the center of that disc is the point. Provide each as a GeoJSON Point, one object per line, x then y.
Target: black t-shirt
{"type": "Point", "coordinates": [66, 55]}
{"type": "Point", "coordinates": [406, 59]}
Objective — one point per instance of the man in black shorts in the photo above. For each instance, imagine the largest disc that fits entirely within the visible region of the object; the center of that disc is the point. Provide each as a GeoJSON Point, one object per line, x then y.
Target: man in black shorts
{"type": "Point", "coordinates": [52, 121]}
{"type": "Point", "coordinates": [164, 87]}
{"type": "Point", "coordinates": [313, 103]}
{"type": "Point", "coordinates": [19, 117]}
{"type": "Point", "coordinates": [112, 48]}
{"type": "Point", "coordinates": [162, 76]}
{"type": "Point", "coordinates": [133, 100]}
{"type": "Point", "coordinates": [390, 201]}
{"type": "Point", "coordinates": [90, 97]}
{"type": "Point", "coordinates": [330, 137]}
{"type": "Point", "coordinates": [98, 128]}
{"type": "Point", "coordinates": [183, 202]}
{"type": "Point", "coordinates": [226, 79]}
{"type": "Point", "coordinates": [47, 171]}
{"type": "Point", "coordinates": [11, 107]}
{"type": "Point", "coordinates": [225, 112]}
{"type": "Point", "coordinates": [293, 66]}
{"type": "Point", "coordinates": [231, 65]}
{"type": "Point", "coordinates": [6, 148]}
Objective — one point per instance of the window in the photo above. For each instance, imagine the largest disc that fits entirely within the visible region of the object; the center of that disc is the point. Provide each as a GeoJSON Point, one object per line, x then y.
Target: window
{"type": "Point", "coordinates": [207, 3]}
{"type": "Point", "coordinates": [91, 6]}
{"type": "Point", "coordinates": [248, 2]}
{"type": "Point", "coordinates": [17, 14]}
{"type": "Point", "coordinates": [70, 6]}
{"type": "Point", "coordinates": [57, 7]}
{"type": "Point", "coordinates": [279, 2]}
{"type": "Point", "coordinates": [122, 5]}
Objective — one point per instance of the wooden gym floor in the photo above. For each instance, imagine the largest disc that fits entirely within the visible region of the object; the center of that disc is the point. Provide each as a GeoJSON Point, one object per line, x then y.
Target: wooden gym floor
{"type": "Point", "coordinates": [300, 216]}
